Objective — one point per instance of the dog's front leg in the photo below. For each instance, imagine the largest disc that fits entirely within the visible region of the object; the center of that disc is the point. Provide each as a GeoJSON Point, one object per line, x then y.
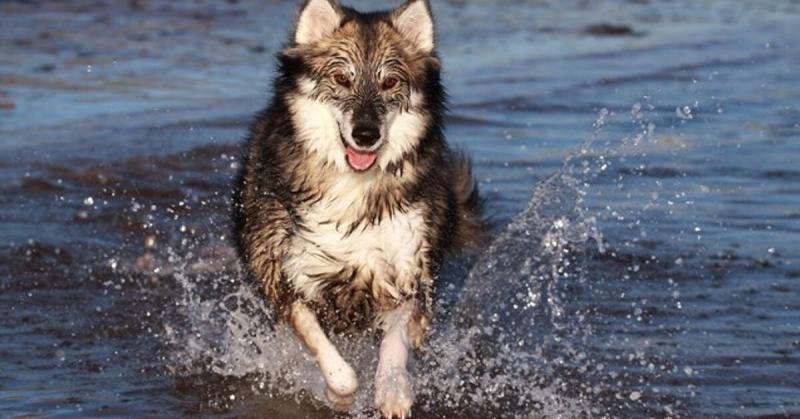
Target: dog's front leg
{"type": "Point", "coordinates": [340, 378]}
{"type": "Point", "coordinates": [393, 392]}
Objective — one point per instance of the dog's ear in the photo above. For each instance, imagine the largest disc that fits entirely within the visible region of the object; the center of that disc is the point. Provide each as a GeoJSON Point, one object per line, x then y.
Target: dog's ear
{"type": "Point", "coordinates": [414, 20]}
{"type": "Point", "coordinates": [318, 19]}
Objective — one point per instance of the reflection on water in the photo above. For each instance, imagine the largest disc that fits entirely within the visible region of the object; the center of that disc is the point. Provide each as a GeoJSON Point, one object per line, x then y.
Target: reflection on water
{"type": "Point", "coordinates": [636, 157]}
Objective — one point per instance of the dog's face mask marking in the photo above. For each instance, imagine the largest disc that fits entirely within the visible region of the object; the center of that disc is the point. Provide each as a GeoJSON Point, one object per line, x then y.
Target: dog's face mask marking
{"type": "Point", "coordinates": [366, 72]}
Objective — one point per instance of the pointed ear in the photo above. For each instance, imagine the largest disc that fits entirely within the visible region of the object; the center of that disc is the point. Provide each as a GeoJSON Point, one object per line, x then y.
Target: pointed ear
{"type": "Point", "coordinates": [318, 19]}
{"type": "Point", "coordinates": [415, 22]}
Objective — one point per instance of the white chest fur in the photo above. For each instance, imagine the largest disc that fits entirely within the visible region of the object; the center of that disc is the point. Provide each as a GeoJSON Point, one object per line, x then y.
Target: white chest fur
{"type": "Point", "coordinates": [387, 256]}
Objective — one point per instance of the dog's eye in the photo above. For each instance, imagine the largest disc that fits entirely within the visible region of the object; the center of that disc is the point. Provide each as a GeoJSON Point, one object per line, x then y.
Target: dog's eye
{"type": "Point", "coordinates": [342, 79]}
{"type": "Point", "coordinates": [389, 83]}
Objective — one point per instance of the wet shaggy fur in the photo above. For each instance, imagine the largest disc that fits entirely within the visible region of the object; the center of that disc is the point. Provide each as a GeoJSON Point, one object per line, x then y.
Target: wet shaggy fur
{"type": "Point", "coordinates": [349, 197]}
{"type": "Point", "coordinates": [288, 186]}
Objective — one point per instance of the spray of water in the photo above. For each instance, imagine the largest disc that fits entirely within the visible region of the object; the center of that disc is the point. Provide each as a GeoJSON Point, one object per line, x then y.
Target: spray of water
{"type": "Point", "coordinates": [512, 343]}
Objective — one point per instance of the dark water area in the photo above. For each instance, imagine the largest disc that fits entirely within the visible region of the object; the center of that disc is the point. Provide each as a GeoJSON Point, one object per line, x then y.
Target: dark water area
{"type": "Point", "coordinates": [639, 159]}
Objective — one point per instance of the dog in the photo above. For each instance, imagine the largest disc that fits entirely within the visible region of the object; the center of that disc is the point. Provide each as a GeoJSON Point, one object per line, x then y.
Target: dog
{"type": "Point", "coordinates": [349, 196]}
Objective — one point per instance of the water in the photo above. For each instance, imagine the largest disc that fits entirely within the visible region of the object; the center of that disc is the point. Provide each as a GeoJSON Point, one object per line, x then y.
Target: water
{"type": "Point", "coordinates": [639, 163]}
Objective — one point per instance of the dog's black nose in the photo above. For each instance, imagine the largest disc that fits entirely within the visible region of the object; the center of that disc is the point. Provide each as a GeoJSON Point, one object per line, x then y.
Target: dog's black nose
{"type": "Point", "coordinates": [366, 135]}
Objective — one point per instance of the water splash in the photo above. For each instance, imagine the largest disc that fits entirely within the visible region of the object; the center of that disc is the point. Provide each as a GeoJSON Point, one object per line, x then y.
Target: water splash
{"type": "Point", "coordinates": [229, 334]}
{"type": "Point", "coordinates": [514, 341]}
{"type": "Point", "coordinates": [536, 253]}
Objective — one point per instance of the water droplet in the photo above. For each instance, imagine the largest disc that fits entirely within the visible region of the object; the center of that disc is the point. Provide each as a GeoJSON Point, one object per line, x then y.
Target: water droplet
{"type": "Point", "coordinates": [684, 112]}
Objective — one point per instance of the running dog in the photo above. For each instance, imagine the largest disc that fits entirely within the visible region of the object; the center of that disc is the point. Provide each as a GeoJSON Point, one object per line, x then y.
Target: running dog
{"type": "Point", "coordinates": [349, 197]}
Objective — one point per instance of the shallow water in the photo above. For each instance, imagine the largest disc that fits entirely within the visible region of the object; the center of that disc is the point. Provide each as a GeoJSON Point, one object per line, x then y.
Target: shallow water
{"type": "Point", "coordinates": [639, 160]}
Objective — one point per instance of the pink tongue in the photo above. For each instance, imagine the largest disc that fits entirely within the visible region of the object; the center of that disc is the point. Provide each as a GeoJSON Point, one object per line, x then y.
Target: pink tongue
{"type": "Point", "coordinates": [360, 161]}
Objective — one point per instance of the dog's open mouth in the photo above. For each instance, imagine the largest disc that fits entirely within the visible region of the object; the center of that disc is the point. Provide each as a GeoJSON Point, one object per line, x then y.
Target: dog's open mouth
{"type": "Point", "coordinates": [360, 161]}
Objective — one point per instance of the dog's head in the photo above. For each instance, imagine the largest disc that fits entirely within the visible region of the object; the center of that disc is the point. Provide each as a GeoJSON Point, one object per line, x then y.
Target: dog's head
{"type": "Point", "coordinates": [363, 88]}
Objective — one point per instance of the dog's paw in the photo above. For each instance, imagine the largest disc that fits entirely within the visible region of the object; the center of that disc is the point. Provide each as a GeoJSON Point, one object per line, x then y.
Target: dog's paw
{"type": "Point", "coordinates": [394, 394]}
{"type": "Point", "coordinates": [339, 403]}
{"type": "Point", "coordinates": [340, 377]}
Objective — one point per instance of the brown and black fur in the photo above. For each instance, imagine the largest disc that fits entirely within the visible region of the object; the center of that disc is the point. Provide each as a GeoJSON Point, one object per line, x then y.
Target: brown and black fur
{"type": "Point", "coordinates": [280, 179]}
{"type": "Point", "coordinates": [274, 181]}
